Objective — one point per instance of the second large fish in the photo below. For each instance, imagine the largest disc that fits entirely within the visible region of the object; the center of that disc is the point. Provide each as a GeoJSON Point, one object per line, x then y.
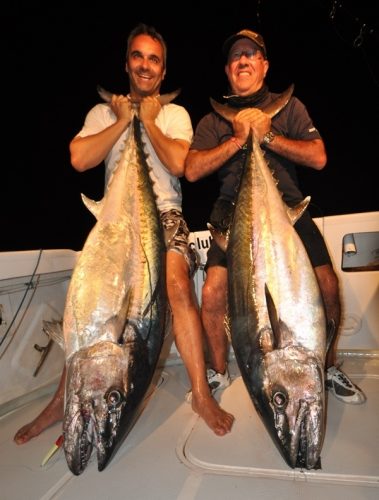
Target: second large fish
{"type": "Point", "coordinates": [276, 313]}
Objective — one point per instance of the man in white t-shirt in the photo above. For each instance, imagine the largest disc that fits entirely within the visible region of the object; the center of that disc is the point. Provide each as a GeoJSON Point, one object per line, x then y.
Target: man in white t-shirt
{"type": "Point", "coordinates": [167, 134]}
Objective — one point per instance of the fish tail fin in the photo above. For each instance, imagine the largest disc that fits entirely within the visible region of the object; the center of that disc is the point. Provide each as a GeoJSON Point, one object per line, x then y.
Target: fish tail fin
{"type": "Point", "coordinates": [167, 98]}
{"type": "Point", "coordinates": [104, 94]}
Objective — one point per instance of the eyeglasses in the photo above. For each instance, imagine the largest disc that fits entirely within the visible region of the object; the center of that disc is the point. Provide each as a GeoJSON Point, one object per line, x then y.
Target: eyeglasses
{"type": "Point", "coordinates": [249, 54]}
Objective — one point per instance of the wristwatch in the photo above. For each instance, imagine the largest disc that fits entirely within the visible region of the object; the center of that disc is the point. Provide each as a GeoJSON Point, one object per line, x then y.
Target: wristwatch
{"type": "Point", "coordinates": [268, 137]}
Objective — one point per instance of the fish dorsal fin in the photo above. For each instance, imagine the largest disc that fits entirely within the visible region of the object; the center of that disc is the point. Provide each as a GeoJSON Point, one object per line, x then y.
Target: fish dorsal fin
{"type": "Point", "coordinates": [220, 238]}
{"type": "Point", "coordinates": [136, 123]}
{"type": "Point", "coordinates": [93, 206]}
{"type": "Point", "coordinates": [138, 134]}
{"type": "Point", "coordinates": [163, 99]}
{"type": "Point", "coordinates": [295, 213]}
{"type": "Point", "coordinates": [271, 109]}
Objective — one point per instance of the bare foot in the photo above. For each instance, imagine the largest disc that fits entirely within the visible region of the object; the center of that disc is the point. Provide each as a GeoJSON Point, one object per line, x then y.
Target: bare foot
{"type": "Point", "coordinates": [50, 415]}
{"type": "Point", "coordinates": [214, 416]}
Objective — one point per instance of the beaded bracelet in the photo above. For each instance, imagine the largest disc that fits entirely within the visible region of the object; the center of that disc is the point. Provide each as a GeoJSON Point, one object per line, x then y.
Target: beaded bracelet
{"type": "Point", "coordinates": [233, 139]}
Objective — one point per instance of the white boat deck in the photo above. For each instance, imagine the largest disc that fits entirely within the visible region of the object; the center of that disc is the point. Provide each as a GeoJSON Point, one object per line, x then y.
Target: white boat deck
{"type": "Point", "coordinates": [171, 454]}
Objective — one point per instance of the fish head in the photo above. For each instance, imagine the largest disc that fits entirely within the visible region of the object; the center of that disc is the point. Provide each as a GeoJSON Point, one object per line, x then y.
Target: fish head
{"type": "Point", "coordinates": [97, 393]}
{"type": "Point", "coordinates": [292, 404]}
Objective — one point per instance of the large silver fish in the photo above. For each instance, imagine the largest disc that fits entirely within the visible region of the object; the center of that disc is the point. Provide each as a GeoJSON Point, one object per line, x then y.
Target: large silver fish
{"type": "Point", "coordinates": [276, 313]}
{"type": "Point", "coordinates": [114, 315]}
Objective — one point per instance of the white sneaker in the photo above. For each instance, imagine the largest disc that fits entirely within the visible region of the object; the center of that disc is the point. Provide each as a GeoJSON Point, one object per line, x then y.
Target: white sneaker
{"type": "Point", "coordinates": [216, 381]}
{"type": "Point", "coordinates": [342, 387]}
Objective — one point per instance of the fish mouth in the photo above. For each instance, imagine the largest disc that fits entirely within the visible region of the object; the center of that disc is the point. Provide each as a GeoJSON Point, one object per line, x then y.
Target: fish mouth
{"type": "Point", "coordinates": [301, 443]}
{"type": "Point", "coordinates": [93, 426]}
{"type": "Point", "coordinates": [306, 440]}
{"type": "Point", "coordinates": [96, 396]}
{"type": "Point", "coordinates": [102, 401]}
{"type": "Point", "coordinates": [79, 437]}
{"type": "Point", "coordinates": [293, 400]}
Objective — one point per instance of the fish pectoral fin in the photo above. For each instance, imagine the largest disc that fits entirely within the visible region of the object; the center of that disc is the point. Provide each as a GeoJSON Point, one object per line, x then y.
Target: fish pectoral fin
{"type": "Point", "coordinates": [330, 332]}
{"type": "Point", "coordinates": [273, 315]}
{"type": "Point", "coordinates": [54, 330]}
{"type": "Point", "coordinates": [220, 238]}
{"type": "Point", "coordinates": [280, 331]}
{"type": "Point", "coordinates": [295, 213]}
{"type": "Point", "coordinates": [93, 206]}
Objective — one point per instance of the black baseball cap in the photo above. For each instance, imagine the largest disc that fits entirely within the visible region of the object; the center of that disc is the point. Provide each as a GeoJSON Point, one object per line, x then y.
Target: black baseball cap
{"type": "Point", "coordinates": [254, 37]}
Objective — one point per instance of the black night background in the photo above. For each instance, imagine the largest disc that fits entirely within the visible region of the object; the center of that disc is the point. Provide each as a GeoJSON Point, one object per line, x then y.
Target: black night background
{"type": "Point", "coordinates": [55, 54]}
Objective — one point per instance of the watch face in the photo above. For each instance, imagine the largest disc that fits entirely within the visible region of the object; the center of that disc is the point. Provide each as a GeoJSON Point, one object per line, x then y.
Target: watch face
{"type": "Point", "coordinates": [268, 137]}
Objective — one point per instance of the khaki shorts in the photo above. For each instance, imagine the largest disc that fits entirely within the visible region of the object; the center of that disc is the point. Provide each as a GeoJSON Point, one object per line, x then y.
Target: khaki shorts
{"type": "Point", "coordinates": [176, 235]}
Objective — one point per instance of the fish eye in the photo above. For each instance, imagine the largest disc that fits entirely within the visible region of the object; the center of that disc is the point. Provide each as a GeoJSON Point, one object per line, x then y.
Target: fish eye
{"type": "Point", "coordinates": [279, 400]}
{"type": "Point", "coordinates": [114, 397]}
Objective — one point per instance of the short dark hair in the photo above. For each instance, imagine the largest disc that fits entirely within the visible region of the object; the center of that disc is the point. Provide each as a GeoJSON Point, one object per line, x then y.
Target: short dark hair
{"type": "Point", "coordinates": [144, 29]}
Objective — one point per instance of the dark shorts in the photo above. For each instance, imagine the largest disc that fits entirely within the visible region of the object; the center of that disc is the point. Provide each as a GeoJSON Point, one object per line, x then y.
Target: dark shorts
{"type": "Point", "coordinates": [306, 228]}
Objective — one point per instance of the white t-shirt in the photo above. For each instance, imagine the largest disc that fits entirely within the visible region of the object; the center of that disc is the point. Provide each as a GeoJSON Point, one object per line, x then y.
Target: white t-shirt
{"type": "Point", "coordinates": [173, 120]}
